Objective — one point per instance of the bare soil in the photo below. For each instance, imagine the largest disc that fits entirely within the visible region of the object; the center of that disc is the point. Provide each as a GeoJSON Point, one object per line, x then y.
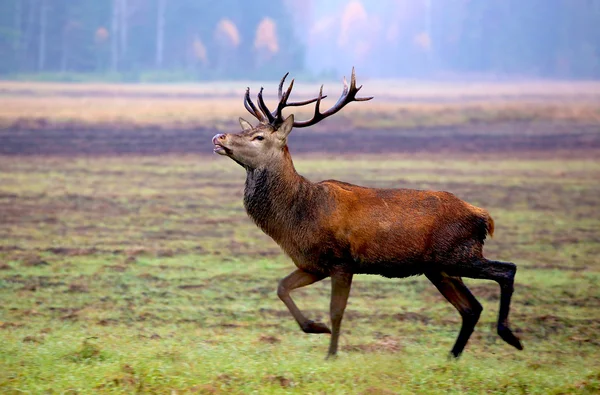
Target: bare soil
{"type": "Point", "coordinates": [505, 137]}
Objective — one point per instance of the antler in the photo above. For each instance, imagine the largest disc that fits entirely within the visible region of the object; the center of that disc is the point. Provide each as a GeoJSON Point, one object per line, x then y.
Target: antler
{"type": "Point", "coordinates": [275, 118]}
{"type": "Point", "coordinates": [348, 95]}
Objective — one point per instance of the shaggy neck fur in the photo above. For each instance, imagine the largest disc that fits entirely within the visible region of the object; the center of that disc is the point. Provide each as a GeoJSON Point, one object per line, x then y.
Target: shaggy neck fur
{"type": "Point", "coordinates": [279, 200]}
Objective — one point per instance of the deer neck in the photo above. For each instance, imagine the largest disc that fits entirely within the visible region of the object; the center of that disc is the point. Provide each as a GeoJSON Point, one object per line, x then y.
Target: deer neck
{"type": "Point", "coordinates": [276, 197]}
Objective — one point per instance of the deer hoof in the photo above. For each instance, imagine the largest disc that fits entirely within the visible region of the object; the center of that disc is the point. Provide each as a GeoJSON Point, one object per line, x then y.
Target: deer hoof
{"type": "Point", "coordinates": [315, 327]}
{"type": "Point", "coordinates": [454, 355]}
{"type": "Point", "coordinates": [507, 335]}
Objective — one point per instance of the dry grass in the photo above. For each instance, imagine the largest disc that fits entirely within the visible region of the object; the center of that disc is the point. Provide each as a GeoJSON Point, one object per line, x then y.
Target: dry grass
{"type": "Point", "coordinates": [387, 89]}
{"type": "Point", "coordinates": [398, 104]}
{"type": "Point", "coordinates": [33, 113]}
{"type": "Point", "coordinates": [101, 112]}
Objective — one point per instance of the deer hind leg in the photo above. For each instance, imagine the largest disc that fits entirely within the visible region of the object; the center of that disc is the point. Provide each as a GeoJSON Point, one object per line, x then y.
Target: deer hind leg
{"type": "Point", "coordinates": [340, 290]}
{"type": "Point", "coordinates": [298, 279]}
{"type": "Point", "coordinates": [457, 293]}
{"type": "Point", "coordinates": [504, 274]}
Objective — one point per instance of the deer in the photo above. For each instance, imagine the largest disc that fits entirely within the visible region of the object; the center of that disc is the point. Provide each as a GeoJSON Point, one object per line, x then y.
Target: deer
{"type": "Point", "coordinates": [336, 229]}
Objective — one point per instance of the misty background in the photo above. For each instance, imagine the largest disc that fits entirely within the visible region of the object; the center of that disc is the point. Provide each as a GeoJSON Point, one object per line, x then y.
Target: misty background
{"type": "Point", "coordinates": [179, 40]}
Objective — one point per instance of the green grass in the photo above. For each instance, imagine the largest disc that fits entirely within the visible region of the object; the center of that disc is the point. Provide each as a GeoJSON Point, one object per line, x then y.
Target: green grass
{"type": "Point", "coordinates": [143, 274]}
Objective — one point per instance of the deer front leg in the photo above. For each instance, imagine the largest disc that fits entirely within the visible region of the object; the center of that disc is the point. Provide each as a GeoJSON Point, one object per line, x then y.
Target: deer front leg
{"type": "Point", "coordinates": [340, 290]}
{"type": "Point", "coordinates": [298, 279]}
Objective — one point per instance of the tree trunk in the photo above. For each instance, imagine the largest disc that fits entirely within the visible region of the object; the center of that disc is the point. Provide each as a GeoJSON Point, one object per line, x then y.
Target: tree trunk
{"type": "Point", "coordinates": [114, 36]}
{"type": "Point", "coordinates": [123, 27]}
{"type": "Point", "coordinates": [42, 37]}
{"type": "Point", "coordinates": [18, 16]}
{"type": "Point", "coordinates": [160, 33]}
{"type": "Point", "coordinates": [65, 51]}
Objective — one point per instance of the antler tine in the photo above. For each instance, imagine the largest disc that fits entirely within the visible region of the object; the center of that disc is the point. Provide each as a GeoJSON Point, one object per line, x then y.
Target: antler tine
{"type": "Point", "coordinates": [348, 95]}
{"type": "Point", "coordinates": [251, 107]}
{"type": "Point", "coordinates": [345, 91]}
{"type": "Point", "coordinates": [303, 103]}
{"type": "Point", "coordinates": [264, 108]}
{"type": "Point", "coordinates": [280, 91]}
{"type": "Point", "coordinates": [283, 98]}
{"type": "Point", "coordinates": [288, 92]}
{"type": "Point", "coordinates": [353, 80]}
{"type": "Point", "coordinates": [318, 105]}
{"type": "Point", "coordinates": [274, 118]}
{"type": "Point", "coordinates": [297, 103]}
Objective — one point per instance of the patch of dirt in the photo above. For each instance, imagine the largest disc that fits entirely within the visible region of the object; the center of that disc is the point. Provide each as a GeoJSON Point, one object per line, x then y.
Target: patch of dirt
{"type": "Point", "coordinates": [281, 380]}
{"type": "Point", "coordinates": [32, 339]}
{"type": "Point", "coordinates": [5, 266]}
{"type": "Point", "coordinates": [30, 312]}
{"type": "Point", "coordinates": [72, 315]}
{"type": "Point", "coordinates": [9, 325]}
{"type": "Point", "coordinates": [107, 322]}
{"type": "Point", "coordinates": [192, 286]}
{"type": "Point", "coordinates": [180, 267]}
{"type": "Point", "coordinates": [269, 339]}
{"type": "Point", "coordinates": [551, 323]}
{"type": "Point", "coordinates": [72, 251]}
{"type": "Point", "coordinates": [204, 389]}
{"type": "Point", "coordinates": [386, 344]}
{"type": "Point", "coordinates": [545, 326]}
{"type": "Point", "coordinates": [117, 268]}
{"type": "Point", "coordinates": [378, 391]}
{"type": "Point", "coordinates": [148, 317]}
{"type": "Point", "coordinates": [130, 259]}
{"type": "Point", "coordinates": [507, 137]}
{"type": "Point", "coordinates": [276, 313]}
{"type": "Point", "coordinates": [489, 292]}
{"type": "Point", "coordinates": [411, 316]}
{"type": "Point", "coordinates": [30, 287]}
{"type": "Point", "coordinates": [554, 266]}
{"type": "Point", "coordinates": [78, 287]}
{"type": "Point", "coordinates": [149, 277]}
{"type": "Point", "coordinates": [32, 260]}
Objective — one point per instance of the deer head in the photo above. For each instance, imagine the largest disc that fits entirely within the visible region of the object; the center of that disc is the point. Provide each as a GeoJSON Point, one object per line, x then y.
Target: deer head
{"type": "Point", "coordinates": [262, 145]}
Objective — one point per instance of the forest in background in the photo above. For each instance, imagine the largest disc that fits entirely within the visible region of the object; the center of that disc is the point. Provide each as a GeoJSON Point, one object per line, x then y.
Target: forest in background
{"type": "Point", "coordinates": [171, 40]}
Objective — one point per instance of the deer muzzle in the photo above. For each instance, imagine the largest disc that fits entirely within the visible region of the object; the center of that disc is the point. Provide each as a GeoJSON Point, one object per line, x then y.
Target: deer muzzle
{"type": "Point", "coordinates": [219, 141]}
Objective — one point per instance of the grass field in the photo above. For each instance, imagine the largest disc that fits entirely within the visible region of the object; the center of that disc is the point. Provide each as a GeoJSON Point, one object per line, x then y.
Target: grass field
{"type": "Point", "coordinates": [48, 106]}
{"type": "Point", "coordinates": [122, 274]}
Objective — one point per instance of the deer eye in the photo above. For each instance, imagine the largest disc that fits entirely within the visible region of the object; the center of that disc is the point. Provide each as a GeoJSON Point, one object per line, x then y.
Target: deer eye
{"type": "Point", "coordinates": [259, 138]}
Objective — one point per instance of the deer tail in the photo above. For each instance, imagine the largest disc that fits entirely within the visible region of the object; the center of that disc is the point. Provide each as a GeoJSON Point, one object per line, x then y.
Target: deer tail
{"type": "Point", "coordinates": [490, 225]}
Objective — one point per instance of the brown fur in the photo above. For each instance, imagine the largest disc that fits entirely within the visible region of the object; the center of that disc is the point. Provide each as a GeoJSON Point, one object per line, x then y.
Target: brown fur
{"type": "Point", "coordinates": [393, 232]}
{"type": "Point", "coordinates": [335, 229]}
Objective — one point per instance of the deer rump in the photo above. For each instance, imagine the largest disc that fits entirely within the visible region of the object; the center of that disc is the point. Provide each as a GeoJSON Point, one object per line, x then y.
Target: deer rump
{"type": "Point", "coordinates": [395, 232]}
{"type": "Point", "coordinates": [335, 229]}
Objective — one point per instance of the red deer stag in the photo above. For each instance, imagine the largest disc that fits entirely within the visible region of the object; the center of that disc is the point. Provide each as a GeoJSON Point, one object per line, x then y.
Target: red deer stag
{"type": "Point", "coordinates": [335, 229]}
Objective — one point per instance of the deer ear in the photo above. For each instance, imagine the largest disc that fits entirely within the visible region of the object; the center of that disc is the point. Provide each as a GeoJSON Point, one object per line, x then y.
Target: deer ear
{"type": "Point", "coordinates": [286, 127]}
{"type": "Point", "coordinates": [245, 124]}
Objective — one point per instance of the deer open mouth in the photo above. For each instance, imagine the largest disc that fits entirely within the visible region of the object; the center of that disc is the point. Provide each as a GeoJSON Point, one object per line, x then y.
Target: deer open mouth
{"type": "Point", "coordinates": [221, 150]}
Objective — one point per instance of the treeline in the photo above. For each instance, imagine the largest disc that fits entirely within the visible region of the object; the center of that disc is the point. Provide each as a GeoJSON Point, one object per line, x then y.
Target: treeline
{"type": "Point", "coordinates": [428, 38]}
{"type": "Point", "coordinates": [228, 39]}
{"type": "Point", "coordinates": [200, 38]}
{"type": "Point", "coordinates": [548, 38]}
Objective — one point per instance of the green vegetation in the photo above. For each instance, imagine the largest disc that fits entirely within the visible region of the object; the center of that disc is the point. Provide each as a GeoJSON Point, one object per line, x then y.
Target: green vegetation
{"type": "Point", "coordinates": [125, 274]}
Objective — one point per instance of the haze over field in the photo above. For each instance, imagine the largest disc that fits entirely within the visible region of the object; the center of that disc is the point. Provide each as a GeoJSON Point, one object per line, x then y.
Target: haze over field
{"type": "Point", "coordinates": [166, 40]}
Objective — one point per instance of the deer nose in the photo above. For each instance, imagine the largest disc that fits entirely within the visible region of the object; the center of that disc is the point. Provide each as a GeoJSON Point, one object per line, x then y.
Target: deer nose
{"type": "Point", "coordinates": [218, 137]}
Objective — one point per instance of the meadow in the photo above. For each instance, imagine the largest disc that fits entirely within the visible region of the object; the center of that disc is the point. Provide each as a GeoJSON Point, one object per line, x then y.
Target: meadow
{"type": "Point", "coordinates": [398, 104]}
{"type": "Point", "coordinates": [125, 272]}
